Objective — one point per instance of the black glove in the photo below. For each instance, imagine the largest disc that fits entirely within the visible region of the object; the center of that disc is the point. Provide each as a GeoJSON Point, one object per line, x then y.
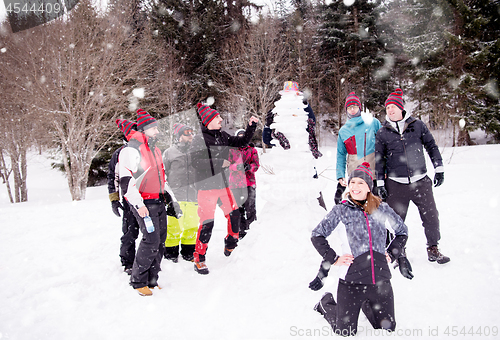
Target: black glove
{"type": "Point", "coordinates": [247, 167]}
{"type": "Point", "coordinates": [438, 179]}
{"type": "Point", "coordinates": [317, 283]}
{"type": "Point", "coordinates": [382, 192]}
{"type": "Point", "coordinates": [115, 205]}
{"type": "Point", "coordinates": [405, 267]}
{"type": "Point", "coordinates": [174, 209]}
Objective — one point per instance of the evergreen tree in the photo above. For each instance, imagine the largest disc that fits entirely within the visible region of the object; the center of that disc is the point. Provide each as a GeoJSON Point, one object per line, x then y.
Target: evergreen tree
{"type": "Point", "coordinates": [448, 59]}
{"type": "Point", "coordinates": [199, 30]}
{"type": "Point", "coordinates": [416, 30]}
{"type": "Point", "coordinates": [352, 53]}
{"type": "Point", "coordinates": [478, 37]}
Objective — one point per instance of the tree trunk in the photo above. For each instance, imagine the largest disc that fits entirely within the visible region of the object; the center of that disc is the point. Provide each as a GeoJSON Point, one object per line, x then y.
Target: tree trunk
{"type": "Point", "coordinates": [24, 176]}
{"type": "Point", "coordinates": [77, 170]}
{"type": "Point", "coordinates": [464, 138]}
{"type": "Point", "coordinates": [5, 176]}
{"type": "Point", "coordinates": [454, 135]}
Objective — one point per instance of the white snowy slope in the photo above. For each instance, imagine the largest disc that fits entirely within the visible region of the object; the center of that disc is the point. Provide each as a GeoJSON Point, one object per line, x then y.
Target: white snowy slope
{"type": "Point", "coordinates": [60, 273]}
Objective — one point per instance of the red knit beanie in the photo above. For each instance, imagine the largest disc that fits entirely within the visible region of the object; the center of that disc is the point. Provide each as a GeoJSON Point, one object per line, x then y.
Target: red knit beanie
{"type": "Point", "coordinates": [126, 126]}
{"type": "Point", "coordinates": [206, 113]}
{"type": "Point", "coordinates": [352, 99]}
{"type": "Point", "coordinates": [145, 120]}
{"type": "Point", "coordinates": [396, 98]}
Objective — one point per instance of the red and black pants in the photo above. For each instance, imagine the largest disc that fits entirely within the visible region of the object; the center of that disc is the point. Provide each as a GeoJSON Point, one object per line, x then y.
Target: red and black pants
{"type": "Point", "coordinates": [208, 200]}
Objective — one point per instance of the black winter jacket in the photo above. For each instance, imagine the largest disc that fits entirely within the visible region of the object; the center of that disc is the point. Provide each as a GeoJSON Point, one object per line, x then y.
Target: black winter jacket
{"type": "Point", "coordinates": [113, 177]}
{"type": "Point", "coordinates": [401, 154]}
{"type": "Point", "coordinates": [208, 152]}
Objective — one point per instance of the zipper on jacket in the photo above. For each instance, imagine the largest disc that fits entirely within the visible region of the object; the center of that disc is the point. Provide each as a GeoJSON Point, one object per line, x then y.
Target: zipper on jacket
{"type": "Point", "coordinates": [406, 155]}
{"type": "Point", "coordinates": [371, 246]}
{"type": "Point", "coordinates": [364, 151]}
{"type": "Point", "coordinates": [152, 154]}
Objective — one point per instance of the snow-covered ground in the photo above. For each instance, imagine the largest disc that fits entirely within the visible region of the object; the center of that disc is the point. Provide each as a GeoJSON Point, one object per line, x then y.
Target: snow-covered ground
{"type": "Point", "coordinates": [60, 274]}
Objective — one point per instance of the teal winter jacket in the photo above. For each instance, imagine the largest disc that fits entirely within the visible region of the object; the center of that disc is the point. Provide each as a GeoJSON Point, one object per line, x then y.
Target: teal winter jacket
{"type": "Point", "coordinates": [356, 144]}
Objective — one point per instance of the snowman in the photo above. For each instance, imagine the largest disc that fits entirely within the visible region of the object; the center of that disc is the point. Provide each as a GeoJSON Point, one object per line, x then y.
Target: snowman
{"type": "Point", "coordinates": [293, 167]}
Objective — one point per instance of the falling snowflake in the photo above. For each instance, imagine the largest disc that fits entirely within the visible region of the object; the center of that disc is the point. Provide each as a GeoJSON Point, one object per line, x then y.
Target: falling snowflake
{"type": "Point", "coordinates": [461, 123]}
{"type": "Point", "coordinates": [138, 93]}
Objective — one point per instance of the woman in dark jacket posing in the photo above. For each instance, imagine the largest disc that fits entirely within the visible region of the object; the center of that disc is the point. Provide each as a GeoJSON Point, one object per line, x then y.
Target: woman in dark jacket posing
{"type": "Point", "coordinates": [364, 272]}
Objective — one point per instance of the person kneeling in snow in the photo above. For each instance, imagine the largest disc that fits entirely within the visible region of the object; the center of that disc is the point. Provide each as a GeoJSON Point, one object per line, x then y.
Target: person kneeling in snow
{"type": "Point", "coordinates": [364, 275]}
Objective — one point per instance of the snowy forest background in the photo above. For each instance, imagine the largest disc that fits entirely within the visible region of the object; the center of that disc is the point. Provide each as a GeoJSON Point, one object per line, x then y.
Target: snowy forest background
{"type": "Point", "coordinates": [63, 84]}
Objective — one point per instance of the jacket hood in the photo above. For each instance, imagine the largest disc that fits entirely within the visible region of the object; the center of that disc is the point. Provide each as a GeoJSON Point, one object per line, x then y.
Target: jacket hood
{"type": "Point", "coordinates": [138, 136]}
{"type": "Point", "coordinates": [406, 115]}
{"type": "Point", "coordinates": [355, 121]}
{"type": "Point", "coordinates": [400, 125]}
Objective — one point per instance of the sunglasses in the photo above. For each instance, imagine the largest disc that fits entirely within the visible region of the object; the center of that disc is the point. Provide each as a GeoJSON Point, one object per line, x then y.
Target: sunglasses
{"type": "Point", "coordinates": [187, 132]}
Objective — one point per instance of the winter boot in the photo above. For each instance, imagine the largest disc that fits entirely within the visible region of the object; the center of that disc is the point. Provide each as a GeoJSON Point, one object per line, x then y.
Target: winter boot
{"type": "Point", "coordinates": [228, 251]}
{"type": "Point", "coordinates": [230, 243]}
{"type": "Point", "coordinates": [187, 251]}
{"type": "Point", "coordinates": [144, 291]}
{"type": "Point", "coordinates": [434, 255]}
{"type": "Point", "coordinates": [328, 308]}
{"type": "Point", "coordinates": [200, 268]}
{"type": "Point", "coordinates": [172, 253]}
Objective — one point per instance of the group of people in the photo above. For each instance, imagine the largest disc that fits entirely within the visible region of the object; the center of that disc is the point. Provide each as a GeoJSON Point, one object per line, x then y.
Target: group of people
{"type": "Point", "coordinates": [385, 167]}
{"type": "Point", "coordinates": [181, 189]}
{"type": "Point", "coordinates": [386, 170]}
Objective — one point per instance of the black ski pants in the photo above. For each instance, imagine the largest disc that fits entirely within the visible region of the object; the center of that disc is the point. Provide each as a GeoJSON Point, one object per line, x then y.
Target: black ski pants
{"type": "Point", "coordinates": [420, 193]}
{"type": "Point", "coordinates": [130, 229]}
{"type": "Point", "coordinates": [376, 301]}
{"type": "Point", "coordinates": [152, 246]}
{"type": "Point", "coordinates": [250, 206]}
{"type": "Point", "coordinates": [245, 199]}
